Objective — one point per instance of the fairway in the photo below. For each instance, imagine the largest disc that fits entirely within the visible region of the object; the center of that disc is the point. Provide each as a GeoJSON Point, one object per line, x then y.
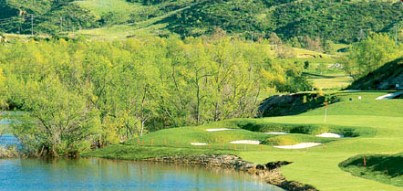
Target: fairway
{"type": "Point", "coordinates": [319, 166]}
{"type": "Point", "coordinates": [303, 95]}
{"type": "Point", "coordinates": [377, 122]}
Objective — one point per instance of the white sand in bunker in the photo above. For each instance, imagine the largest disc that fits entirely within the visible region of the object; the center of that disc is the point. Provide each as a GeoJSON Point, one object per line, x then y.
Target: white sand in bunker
{"type": "Point", "coordinates": [198, 144]}
{"type": "Point", "coordinates": [330, 135]}
{"type": "Point", "coordinates": [218, 129]}
{"type": "Point", "coordinates": [249, 142]}
{"type": "Point", "coordinates": [276, 133]}
{"type": "Point", "coordinates": [298, 146]}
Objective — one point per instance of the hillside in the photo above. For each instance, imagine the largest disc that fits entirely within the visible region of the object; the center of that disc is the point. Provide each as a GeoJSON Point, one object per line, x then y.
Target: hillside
{"type": "Point", "coordinates": [384, 78]}
{"type": "Point", "coordinates": [350, 20]}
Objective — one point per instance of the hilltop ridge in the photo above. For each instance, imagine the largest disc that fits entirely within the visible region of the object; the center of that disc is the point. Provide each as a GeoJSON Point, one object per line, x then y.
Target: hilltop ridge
{"type": "Point", "coordinates": [254, 19]}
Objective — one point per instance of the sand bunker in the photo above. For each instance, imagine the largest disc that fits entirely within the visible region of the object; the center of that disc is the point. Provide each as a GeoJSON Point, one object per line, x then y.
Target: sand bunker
{"type": "Point", "coordinates": [298, 146]}
{"type": "Point", "coordinates": [218, 129]}
{"type": "Point", "coordinates": [249, 142]}
{"type": "Point", "coordinates": [198, 144]}
{"type": "Point", "coordinates": [389, 96]}
{"type": "Point", "coordinates": [276, 133]}
{"type": "Point", "coordinates": [329, 135]}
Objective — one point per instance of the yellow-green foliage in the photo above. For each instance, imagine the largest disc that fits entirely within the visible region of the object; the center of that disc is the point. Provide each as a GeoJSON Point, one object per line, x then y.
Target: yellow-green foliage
{"type": "Point", "coordinates": [106, 92]}
{"type": "Point", "coordinates": [370, 54]}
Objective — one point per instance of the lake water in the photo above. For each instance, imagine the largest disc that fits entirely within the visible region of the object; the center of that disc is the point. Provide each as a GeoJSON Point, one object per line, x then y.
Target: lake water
{"type": "Point", "coordinates": [9, 140]}
{"type": "Point", "coordinates": [101, 174]}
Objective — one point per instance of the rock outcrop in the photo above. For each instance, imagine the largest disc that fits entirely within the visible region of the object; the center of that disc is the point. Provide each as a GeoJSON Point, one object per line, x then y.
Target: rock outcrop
{"type": "Point", "coordinates": [269, 172]}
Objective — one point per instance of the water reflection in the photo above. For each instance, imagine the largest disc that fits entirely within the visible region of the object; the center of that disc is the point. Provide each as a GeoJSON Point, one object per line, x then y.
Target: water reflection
{"type": "Point", "coordinates": [99, 174]}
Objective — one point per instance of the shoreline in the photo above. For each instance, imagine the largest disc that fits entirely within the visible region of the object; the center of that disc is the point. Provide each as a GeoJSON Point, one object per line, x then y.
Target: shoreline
{"type": "Point", "coordinates": [9, 152]}
{"type": "Point", "coordinates": [269, 173]}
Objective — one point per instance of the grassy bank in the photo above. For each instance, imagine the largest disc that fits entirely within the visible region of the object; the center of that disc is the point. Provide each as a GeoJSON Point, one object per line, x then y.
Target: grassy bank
{"type": "Point", "coordinates": [383, 168]}
{"type": "Point", "coordinates": [375, 124]}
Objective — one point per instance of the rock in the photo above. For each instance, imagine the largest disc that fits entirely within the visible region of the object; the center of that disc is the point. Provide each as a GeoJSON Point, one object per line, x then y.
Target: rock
{"type": "Point", "coordinates": [269, 172]}
{"type": "Point", "coordinates": [260, 167]}
{"type": "Point", "coordinates": [278, 164]}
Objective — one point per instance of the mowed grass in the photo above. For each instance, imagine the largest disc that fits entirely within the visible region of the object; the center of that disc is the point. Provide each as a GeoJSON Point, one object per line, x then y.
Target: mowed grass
{"type": "Point", "coordinates": [379, 124]}
{"type": "Point", "coordinates": [384, 168]}
{"type": "Point", "coordinates": [338, 81]}
{"type": "Point", "coordinates": [319, 166]}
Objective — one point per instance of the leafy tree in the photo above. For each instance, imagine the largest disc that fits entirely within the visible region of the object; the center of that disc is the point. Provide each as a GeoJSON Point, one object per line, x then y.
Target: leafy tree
{"type": "Point", "coordinates": [78, 95]}
{"type": "Point", "coordinates": [60, 123]}
{"type": "Point", "coordinates": [368, 55]}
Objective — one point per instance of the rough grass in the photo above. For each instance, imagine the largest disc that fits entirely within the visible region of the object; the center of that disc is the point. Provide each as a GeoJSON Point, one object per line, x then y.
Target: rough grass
{"type": "Point", "coordinates": [149, 27]}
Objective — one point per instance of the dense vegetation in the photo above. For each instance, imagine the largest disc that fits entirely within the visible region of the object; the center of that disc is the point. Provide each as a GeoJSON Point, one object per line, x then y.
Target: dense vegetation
{"type": "Point", "coordinates": [47, 17]}
{"type": "Point", "coordinates": [338, 21]}
{"type": "Point", "coordinates": [350, 21]}
{"type": "Point", "coordinates": [369, 54]}
{"type": "Point", "coordinates": [386, 77]}
{"type": "Point", "coordinates": [78, 94]}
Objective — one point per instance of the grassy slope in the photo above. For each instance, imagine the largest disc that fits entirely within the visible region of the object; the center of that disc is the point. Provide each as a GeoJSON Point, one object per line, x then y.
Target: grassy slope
{"type": "Point", "coordinates": [384, 168]}
{"type": "Point", "coordinates": [334, 81]}
{"type": "Point", "coordinates": [119, 32]}
{"type": "Point", "coordinates": [317, 166]}
{"type": "Point", "coordinates": [120, 8]}
{"type": "Point", "coordinates": [384, 77]}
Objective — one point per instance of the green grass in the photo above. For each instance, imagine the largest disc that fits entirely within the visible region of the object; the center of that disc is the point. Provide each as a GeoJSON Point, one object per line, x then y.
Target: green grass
{"type": "Point", "coordinates": [338, 81]}
{"type": "Point", "coordinates": [366, 106]}
{"type": "Point", "coordinates": [149, 27]}
{"type": "Point", "coordinates": [121, 9]}
{"type": "Point", "coordinates": [384, 168]}
{"type": "Point", "coordinates": [376, 124]}
{"type": "Point", "coordinates": [138, 152]}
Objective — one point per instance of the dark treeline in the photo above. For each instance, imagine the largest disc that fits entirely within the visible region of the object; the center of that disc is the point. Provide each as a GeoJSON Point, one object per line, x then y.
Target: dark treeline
{"type": "Point", "coordinates": [84, 94]}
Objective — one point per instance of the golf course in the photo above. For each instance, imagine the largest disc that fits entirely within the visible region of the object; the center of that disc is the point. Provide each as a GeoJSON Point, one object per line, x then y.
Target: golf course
{"type": "Point", "coordinates": [375, 126]}
{"type": "Point", "coordinates": [295, 95]}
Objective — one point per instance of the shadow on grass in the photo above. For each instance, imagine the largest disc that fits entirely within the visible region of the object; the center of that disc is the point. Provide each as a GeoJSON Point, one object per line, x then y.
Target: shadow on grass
{"type": "Point", "coordinates": [309, 129]}
{"type": "Point", "coordinates": [386, 165]}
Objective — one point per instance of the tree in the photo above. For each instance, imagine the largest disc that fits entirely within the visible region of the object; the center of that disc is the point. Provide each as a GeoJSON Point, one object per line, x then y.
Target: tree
{"type": "Point", "coordinates": [369, 54]}
{"type": "Point", "coordinates": [59, 122]}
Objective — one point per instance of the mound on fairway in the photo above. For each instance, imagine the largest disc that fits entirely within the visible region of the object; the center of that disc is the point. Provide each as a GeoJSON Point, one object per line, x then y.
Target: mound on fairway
{"type": "Point", "coordinates": [383, 168]}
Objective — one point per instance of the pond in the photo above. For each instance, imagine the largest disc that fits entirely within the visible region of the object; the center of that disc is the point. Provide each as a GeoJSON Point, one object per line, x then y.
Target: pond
{"type": "Point", "coordinates": [9, 140]}
{"type": "Point", "coordinates": [102, 174]}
